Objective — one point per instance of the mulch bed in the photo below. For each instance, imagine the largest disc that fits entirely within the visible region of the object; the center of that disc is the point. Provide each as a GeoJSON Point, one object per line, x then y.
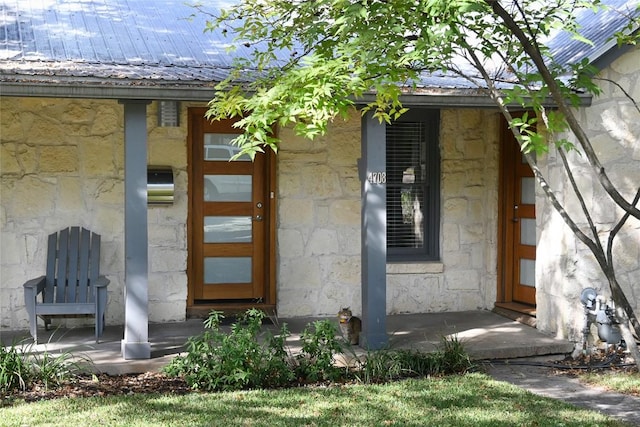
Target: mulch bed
{"type": "Point", "coordinates": [102, 385]}
{"type": "Point", "coordinates": [152, 382]}
{"type": "Point", "coordinates": [615, 359]}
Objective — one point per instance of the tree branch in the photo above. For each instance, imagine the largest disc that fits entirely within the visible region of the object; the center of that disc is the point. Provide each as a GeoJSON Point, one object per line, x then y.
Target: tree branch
{"type": "Point", "coordinates": [583, 205]}
{"type": "Point", "coordinates": [561, 104]}
{"type": "Point", "coordinates": [617, 228]}
{"type": "Point", "coordinates": [495, 95]}
{"type": "Point", "coordinates": [626, 94]}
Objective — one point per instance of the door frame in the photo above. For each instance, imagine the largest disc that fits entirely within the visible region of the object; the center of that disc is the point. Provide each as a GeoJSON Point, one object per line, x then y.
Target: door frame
{"type": "Point", "coordinates": [197, 309]}
{"type": "Point", "coordinates": [507, 227]}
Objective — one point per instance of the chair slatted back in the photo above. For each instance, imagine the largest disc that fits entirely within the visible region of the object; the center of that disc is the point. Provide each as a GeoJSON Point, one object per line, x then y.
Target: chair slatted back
{"type": "Point", "coordinates": [73, 266]}
{"type": "Point", "coordinates": [72, 269]}
{"type": "Point", "coordinates": [84, 266]}
{"type": "Point", "coordinates": [93, 266]}
{"type": "Point", "coordinates": [52, 256]}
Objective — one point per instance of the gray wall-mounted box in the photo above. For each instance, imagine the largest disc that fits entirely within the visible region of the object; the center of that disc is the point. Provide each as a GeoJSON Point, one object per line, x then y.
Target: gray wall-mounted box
{"type": "Point", "coordinates": [160, 186]}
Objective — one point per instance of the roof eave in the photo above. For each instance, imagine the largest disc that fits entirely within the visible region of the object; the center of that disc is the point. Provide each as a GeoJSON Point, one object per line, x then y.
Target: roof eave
{"type": "Point", "coordinates": [198, 91]}
{"type": "Point", "coordinates": [460, 98]}
{"type": "Point", "coordinates": [107, 90]}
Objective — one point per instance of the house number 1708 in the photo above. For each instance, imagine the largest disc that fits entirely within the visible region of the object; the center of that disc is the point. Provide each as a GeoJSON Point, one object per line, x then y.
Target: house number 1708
{"type": "Point", "coordinates": [377, 177]}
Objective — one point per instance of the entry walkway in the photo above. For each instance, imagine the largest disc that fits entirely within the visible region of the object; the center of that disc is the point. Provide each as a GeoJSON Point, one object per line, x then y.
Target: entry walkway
{"type": "Point", "coordinates": [533, 374]}
{"type": "Point", "coordinates": [485, 335]}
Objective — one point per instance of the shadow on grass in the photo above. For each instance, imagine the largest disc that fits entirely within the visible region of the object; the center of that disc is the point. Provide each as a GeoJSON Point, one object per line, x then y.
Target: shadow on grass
{"type": "Point", "coordinates": [467, 400]}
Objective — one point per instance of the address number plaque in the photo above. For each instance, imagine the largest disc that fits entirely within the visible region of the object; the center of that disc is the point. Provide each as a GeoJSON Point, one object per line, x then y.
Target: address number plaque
{"type": "Point", "coordinates": [377, 177]}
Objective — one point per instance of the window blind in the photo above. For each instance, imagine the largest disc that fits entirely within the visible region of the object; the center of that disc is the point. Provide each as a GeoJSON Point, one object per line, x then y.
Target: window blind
{"type": "Point", "coordinates": [406, 184]}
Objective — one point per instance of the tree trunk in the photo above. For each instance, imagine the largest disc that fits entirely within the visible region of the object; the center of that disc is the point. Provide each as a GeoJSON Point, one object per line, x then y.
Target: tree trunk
{"type": "Point", "coordinates": [621, 301]}
{"type": "Point", "coordinates": [628, 337]}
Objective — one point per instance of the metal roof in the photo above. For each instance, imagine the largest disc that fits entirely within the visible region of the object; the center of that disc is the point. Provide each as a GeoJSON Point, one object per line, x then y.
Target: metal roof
{"type": "Point", "coordinates": [599, 28]}
{"type": "Point", "coordinates": [152, 49]}
{"type": "Point", "coordinates": [162, 33]}
{"type": "Point", "coordinates": [98, 43]}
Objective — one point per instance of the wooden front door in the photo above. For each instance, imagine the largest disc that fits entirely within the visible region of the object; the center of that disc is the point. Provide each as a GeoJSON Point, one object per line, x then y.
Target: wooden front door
{"type": "Point", "coordinates": [231, 231]}
{"type": "Point", "coordinates": [517, 223]}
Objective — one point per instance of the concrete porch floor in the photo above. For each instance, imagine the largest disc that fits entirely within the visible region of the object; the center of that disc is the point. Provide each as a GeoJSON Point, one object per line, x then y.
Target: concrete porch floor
{"type": "Point", "coordinates": [485, 335]}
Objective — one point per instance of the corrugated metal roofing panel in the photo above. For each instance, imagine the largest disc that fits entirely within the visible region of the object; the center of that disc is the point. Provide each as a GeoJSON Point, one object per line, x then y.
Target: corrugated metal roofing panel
{"type": "Point", "coordinates": [69, 69]}
{"type": "Point", "coordinates": [160, 32]}
{"type": "Point", "coordinates": [155, 41]}
{"type": "Point", "coordinates": [599, 28]}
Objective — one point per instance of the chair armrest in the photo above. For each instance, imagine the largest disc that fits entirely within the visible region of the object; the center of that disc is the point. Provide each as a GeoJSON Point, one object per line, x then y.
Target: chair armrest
{"type": "Point", "coordinates": [37, 284]}
{"type": "Point", "coordinates": [102, 282]}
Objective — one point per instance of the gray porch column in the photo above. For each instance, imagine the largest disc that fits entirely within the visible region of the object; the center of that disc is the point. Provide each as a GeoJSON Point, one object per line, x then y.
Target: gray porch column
{"type": "Point", "coordinates": [135, 344]}
{"type": "Point", "coordinates": [374, 234]}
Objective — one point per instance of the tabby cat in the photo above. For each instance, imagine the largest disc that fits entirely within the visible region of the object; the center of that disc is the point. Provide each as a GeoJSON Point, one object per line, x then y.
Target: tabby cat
{"type": "Point", "coordinates": [350, 326]}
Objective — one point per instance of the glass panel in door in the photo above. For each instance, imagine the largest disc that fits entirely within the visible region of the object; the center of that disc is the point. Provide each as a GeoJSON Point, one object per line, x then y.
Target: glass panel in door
{"type": "Point", "coordinates": [228, 188]}
{"type": "Point", "coordinates": [528, 272]}
{"type": "Point", "coordinates": [221, 270]}
{"type": "Point", "coordinates": [528, 231]}
{"type": "Point", "coordinates": [228, 229]}
{"type": "Point", "coordinates": [219, 147]}
{"type": "Point", "coordinates": [528, 190]}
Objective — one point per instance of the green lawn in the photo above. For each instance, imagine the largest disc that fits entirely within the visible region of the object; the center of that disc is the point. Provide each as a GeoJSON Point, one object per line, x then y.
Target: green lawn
{"type": "Point", "coordinates": [465, 400]}
{"type": "Point", "coordinates": [618, 381]}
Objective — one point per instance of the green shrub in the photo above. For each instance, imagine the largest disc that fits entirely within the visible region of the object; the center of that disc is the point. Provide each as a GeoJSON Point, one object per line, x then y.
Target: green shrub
{"type": "Point", "coordinates": [319, 346]}
{"type": "Point", "coordinates": [247, 358]}
{"type": "Point", "coordinates": [237, 360]}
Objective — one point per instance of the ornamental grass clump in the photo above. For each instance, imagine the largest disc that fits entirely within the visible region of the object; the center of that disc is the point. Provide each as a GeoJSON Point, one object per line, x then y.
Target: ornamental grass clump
{"type": "Point", "coordinates": [22, 366]}
{"type": "Point", "coordinates": [15, 370]}
{"type": "Point", "coordinates": [389, 365]}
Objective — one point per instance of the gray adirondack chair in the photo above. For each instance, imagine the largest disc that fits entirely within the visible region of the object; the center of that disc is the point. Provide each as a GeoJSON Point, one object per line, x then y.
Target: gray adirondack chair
{"type": "Point", "coordinates": [72, 285]}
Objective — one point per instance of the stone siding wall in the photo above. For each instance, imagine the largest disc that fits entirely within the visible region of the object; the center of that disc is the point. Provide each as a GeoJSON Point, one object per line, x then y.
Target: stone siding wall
{"type": "Point", "coordinates": [565, 266]}
{"type": "Point", "coordinates": [319, 223]}
{"type": "Point", "coordinates": [61, 164]}
{"type": "Point", "coordinates": [470, 154]}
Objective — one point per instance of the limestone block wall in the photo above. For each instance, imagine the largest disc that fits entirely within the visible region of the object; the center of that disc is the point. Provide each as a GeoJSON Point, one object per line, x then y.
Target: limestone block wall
{"type": "Point", "coordinates": [318, 246]}
{"type": "Point", "coordinates": [61, 164]}
{"type": "Point", "coordinates": [469, 212]}
{"type": "Point", "coordinates": [565, 266]}
{"type": "Point", "coordinates": [319, 236]}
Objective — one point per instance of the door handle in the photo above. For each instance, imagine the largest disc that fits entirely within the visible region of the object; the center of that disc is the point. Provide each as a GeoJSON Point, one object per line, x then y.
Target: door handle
{"type": "Point", "coordinates": [258, 218]}
{"type": "Point", "coordinates": [515, 214]}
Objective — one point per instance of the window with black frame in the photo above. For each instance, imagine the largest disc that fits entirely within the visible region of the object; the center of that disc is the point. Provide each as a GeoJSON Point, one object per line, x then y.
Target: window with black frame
{"type": "Point", "coordinates": [413, 187]}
